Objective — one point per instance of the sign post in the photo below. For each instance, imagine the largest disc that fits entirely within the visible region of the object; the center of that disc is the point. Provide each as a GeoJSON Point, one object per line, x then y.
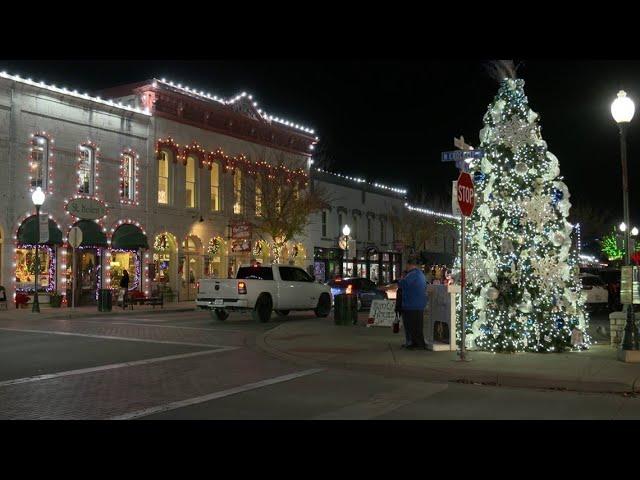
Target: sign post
{"type": "Point", "coordinates": [75, 239]}
{"type": "Point", "coordinates": [466, 202]}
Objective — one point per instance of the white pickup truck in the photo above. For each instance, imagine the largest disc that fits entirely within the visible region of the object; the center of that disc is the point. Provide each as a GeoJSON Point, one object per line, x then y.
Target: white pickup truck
{"type": "Point", "coordinates": [262, 289]}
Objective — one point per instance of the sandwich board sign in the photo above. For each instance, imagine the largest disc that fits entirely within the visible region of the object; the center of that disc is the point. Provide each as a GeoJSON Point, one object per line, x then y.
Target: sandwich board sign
{"type": "Point", "coordinates": [382, 313]}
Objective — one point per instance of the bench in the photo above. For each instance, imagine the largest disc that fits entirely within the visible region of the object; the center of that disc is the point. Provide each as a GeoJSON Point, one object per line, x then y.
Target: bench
{"type": "Point", "coordinates": [156, 300]}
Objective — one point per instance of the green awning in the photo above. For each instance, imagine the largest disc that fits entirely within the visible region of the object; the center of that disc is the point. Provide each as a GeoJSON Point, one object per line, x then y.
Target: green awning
{"type": "Point", "coordinates": [129, 237]}
{"type": "Point", "coordinates": [27, 233]}
{"type": "Point", "coordinates": [92, 234]}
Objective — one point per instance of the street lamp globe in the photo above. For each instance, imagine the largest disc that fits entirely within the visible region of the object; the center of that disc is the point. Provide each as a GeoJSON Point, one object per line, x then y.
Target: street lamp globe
{"type": "Point", "coordinates": [346, 230]}
{"type": "Point", "coordinates": [37, 197]}
{"type": "Point", "coordinates": [623, 227]}
{"type": "Point", "coordinates": [622, 108]}
{"type": "Point", "coordinates": [634, 231]}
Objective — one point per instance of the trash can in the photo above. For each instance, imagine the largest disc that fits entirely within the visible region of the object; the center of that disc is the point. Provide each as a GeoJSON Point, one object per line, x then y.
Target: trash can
{"type": "Point", "coordinates": [346, 309]}
{"type": "Point", "coordinates": [104, 300]}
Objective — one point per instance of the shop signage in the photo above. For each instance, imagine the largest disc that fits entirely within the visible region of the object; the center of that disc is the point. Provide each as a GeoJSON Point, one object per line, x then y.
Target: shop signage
{"type": "Point", "coordinates": [238, 246]}
{"type": "Point", "coordinates": [240, 231]}
{"type": "Point", "coordinates": [86, 208]}
{"type": "Point", "coordinates": [43, 227]}
{"type": "Point", "coordinates": [629, 280]}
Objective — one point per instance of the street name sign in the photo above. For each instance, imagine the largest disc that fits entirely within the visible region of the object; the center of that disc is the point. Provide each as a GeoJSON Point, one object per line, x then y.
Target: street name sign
{"type": "Point", "coordinates": [465, 194]}
{"type": "Point", "coordinates": [460, 155]}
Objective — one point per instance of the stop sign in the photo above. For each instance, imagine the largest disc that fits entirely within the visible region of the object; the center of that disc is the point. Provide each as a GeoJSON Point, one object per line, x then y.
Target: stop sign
{"type": "Point", "coordinates": [466, 195]}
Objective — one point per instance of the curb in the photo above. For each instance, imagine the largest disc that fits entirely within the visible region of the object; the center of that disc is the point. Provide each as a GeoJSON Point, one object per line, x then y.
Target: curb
{"type": "Point", "coordinates": [262, 344]}
{"type": "Point", "coordinates": [72, 315]}
{"type": "Point", "coordinates": [458, 375]}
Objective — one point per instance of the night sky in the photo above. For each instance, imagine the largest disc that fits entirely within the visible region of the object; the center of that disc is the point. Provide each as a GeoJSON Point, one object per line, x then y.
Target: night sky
{"type": "Point", "coordinates": [388, 121]}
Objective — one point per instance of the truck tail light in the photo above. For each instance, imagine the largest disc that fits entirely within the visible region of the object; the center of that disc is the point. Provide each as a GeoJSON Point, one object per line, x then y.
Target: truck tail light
{"type": "Point", "coordinates": [242, 288]}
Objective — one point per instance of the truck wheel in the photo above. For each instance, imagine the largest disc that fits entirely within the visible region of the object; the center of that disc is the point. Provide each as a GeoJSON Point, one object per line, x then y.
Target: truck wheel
{"type": "Point", "coordinates": [263, 308]}
{"type": "Point", "coordinates": [220, 314]}
{"type": "Point", "coordinates": [282, 313]}
{"type": "Point", "coordinates": [324, 306]}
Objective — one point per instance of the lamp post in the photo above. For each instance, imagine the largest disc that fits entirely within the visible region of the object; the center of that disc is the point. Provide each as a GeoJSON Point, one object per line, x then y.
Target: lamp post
{"type": "Point", "coordinates": [622, 110]}
{"type": "Point", "coordinates": [346, 231]}
{"type": "Point", "coordinates": [37, 197]}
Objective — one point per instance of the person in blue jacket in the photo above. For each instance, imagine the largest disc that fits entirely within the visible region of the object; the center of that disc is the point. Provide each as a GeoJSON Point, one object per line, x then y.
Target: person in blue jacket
{"type": "Point", "coordinates": [414, 300]}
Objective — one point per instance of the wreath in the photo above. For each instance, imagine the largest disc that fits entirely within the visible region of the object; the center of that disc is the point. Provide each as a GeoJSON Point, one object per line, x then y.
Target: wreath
{"type": "Point", "coordinates": [214, 246]}
{"type": "Point", "coordinates": [161, 244]}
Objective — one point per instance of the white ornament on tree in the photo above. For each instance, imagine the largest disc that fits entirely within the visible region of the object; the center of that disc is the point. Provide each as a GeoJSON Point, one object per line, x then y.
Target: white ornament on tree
{"type": "Point", "coordinates": [493, 293]}
{"type": "Point", "coordinates": [521, 168]}
{"type": "Point", "coordinates": [515, 133]}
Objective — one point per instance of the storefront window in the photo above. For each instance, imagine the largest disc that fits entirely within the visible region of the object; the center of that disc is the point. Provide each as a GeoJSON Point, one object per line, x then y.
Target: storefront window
{"type": "Point", "coordinates": [164, 184]}
{"type": "Point", "coordinates": [190, 186]}
{"type": "Point", "coordinates": [237, 192]}
{"type": "Point", "coordinates": [86, 170]}
{"type": "Point", "coordinates": [128, 186]}
{"type": "Point", "coordinates": [39, 162]}
{"type": "Point", "coordinates": [162, 259]}
{"type": "Point", "coordinates": [26, 268]}
{"type": "Point", "coordinates": [215, 187]}
{"type": "Point", "coordinates": [125, 260]}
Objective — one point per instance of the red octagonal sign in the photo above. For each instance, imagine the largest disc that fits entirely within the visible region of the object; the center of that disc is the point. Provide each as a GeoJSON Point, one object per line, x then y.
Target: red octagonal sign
{"type": "Point", "coordinates": [466, 195]}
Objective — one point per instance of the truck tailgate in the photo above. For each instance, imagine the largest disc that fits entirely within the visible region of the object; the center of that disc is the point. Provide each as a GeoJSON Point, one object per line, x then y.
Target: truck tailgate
{"type": "Point", "coordinates": [211, 290]}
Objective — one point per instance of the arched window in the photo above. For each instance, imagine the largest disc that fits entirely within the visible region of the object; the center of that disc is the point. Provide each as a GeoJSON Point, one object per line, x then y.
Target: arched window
{"type": "Point", "coordinates": [237, 192]}
{"type": "Point", "coordinates": [128, 177]}
{"type": "Point", "coordinates": [215, 187]}
{"type": "Point", "coordinates": [191, 183]}
{"type": "Point", "coordinates": [87, 170]}
{"type": "Point", "coordinates": [164, 178]}
{"type": "Point", "coordinates": [39, 165]}
{"type": "Point", "coordinates": [258, 195]}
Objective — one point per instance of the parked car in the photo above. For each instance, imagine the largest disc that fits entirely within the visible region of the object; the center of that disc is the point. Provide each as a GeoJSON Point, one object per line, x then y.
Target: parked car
{"type": "Point", "coordinates": [365, 289]}
{"type": "Point", "coordinates": [391, 289]}
{"type": "Point", "coordinates": [595, 289]}
{"type": "Point", "coordinates": [262, 289]}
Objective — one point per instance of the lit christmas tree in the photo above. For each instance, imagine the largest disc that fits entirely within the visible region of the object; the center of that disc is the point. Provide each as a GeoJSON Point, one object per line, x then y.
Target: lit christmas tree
{"type": "Point", "coordinates": [524, 292]}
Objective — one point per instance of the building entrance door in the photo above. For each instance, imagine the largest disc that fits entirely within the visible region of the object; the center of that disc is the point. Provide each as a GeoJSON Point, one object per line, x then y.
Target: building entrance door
{"type": "Point", "coordinates": [88, 269]}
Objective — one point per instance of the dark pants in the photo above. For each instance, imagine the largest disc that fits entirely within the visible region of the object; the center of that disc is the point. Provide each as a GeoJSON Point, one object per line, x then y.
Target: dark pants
{"type": "Point", "coordinates": [414, 325]}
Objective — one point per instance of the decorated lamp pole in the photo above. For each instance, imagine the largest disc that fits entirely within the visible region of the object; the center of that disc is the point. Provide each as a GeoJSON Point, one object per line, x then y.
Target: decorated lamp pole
{"type": "Point", "coordinates": [346, 231]}
{"type": "Point", "coordinates": [622, 110]}
{"type": "Point", "coordinates": [37, 197]}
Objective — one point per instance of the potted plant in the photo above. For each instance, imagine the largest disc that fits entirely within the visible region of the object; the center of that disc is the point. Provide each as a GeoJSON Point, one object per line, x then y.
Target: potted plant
{"type": "Point", "coordinates": [21, 300]}
{"type": "Point", "coordinates": [55, 300]}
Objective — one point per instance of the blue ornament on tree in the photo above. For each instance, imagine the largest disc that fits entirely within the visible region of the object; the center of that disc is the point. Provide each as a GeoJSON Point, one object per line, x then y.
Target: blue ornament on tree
{"type": "Point", "coordinates": [556, 196]}
{"type": "Point", "coordinates": [478, 176]}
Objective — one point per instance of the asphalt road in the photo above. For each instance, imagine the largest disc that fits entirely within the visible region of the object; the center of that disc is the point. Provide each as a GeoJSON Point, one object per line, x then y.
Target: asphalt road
{"type": "Point", "coordinates": [187, 366]}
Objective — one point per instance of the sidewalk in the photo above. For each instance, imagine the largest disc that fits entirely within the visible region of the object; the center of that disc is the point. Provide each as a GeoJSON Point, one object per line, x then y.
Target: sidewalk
{"type": "Point", "coordinates": [47, 312]}
{"type": "Point", "coordinates": [320, 342]}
